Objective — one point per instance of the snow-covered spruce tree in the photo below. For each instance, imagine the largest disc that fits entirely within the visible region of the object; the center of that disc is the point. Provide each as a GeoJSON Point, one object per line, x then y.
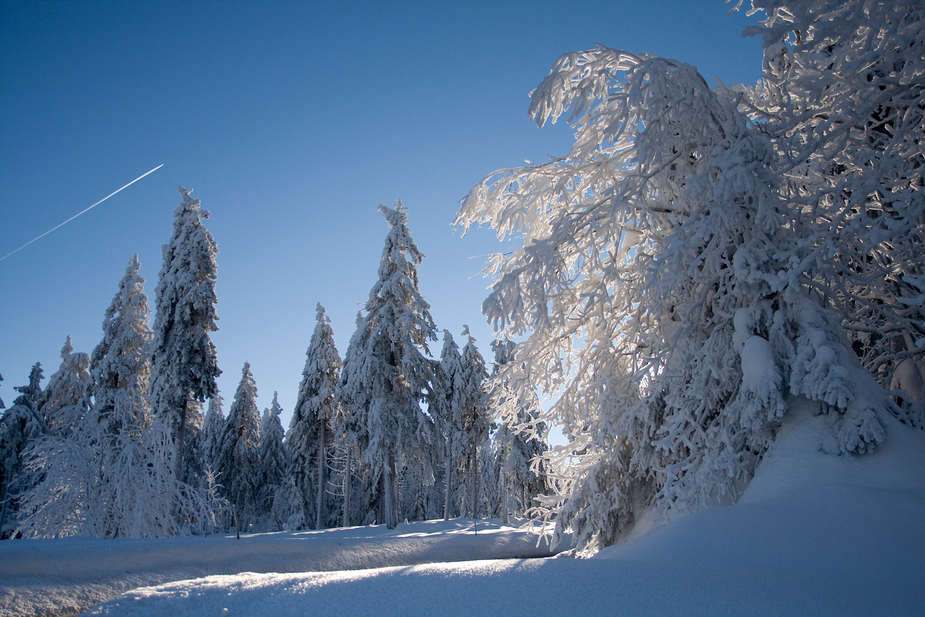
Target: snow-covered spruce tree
{"type": "Point", "coordinates": [311, 433]}
{"type": "Point", "coordinates": [471, 404]}
{"type": "Point", "coordinates": [350, 436]}
{"type": "Point", "coordinates": [184, 363]}
{"type": "Point", "coordinates": [670, 291]}
{"type": "Point", "coordinates": [20, 426]}
{"type": "Point", "coordinates": [110, 474]}
{"type": "Point", "coordinates": [387, 374]}
{"type": "Point", "coordinates": [61, 467]}
{"type": "Point", "coordinates": [842, 98]}
{"type": "Point", "coordinates": [448, 420]}
{"type": "Point", "coordinates": [121, 370]}
{"type": "Point", "coordinates": [67, 398]}
{"type": "Point", "coordinates": [239, 459]}
{"type": "Point", "coordinates": [210, 438]}
{"type": "Point", "coordinates": [520, 438]}
{"type": "Point", "coordinates": [274, 465]}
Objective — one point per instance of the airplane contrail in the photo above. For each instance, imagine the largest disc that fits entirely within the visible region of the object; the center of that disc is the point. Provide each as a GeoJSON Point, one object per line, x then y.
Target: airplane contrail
{"type": "Point", "coordinates": [81, 212]}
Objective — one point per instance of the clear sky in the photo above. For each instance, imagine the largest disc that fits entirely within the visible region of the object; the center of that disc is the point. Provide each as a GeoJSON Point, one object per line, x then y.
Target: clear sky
{"type": "Point", "coordinates": [292, 122]}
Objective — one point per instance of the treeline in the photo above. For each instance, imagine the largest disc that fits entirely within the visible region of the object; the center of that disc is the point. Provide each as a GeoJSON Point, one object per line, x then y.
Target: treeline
{"type": "Point", "coordinates": [117, 445]}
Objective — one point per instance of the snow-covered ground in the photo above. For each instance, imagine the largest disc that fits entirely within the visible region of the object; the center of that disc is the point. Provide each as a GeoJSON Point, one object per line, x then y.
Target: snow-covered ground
{"type": "Point", "coordinates": [814, 534]}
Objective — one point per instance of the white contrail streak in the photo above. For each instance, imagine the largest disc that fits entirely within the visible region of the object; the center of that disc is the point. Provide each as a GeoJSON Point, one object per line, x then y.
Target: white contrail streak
{"type": "Point", "coordinates": [81, 212]}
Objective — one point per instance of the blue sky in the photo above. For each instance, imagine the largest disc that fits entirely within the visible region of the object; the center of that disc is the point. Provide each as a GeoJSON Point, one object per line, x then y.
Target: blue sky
{"type": "Point", "coordinates": [292, 122]}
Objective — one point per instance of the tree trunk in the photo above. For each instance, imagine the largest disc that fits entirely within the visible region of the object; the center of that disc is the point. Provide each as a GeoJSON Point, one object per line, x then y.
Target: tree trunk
{"type": "Point", "coordinates": [347, 487]}
{"type": "Point", "coordinates": [319, 498]}
{"type": "Point", "coordinates": [448, 481]}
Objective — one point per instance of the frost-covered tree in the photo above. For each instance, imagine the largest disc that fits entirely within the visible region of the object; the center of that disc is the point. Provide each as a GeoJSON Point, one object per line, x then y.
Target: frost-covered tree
{"type": "Point", "coordinates": [842, 98]}
{"type": "Point", "coordinates": [387, 374]}
{"type": "Point", "coordinates": [350, 435]}
{"type": "Point", "coordinates": [448, 419]}
{"type": "Point", "coordinates": [239, 460]}
{"type": "Point", "coordinates": [471, 403]}
{"type": "Point", "coordinates": [108, 471]}
{"type": "Point", "coordinates": [311, 434]}
{"type": "Point", "coordinates": [274, 464]}
{"type": "Point", "coordinates": [678, 270]}
{"type": "Point", "coordinates": [66, 400]}
{"type": "Point", "coordinates": [184, 363]}
{"type": "Point", "coordinates": [520, 438]}
{"type": "Point", "coordinates": [20, 426]}
{"type": "Point", "coordinates": [213, 426]}
{"type": "Point", "coordinates": [120, 363]}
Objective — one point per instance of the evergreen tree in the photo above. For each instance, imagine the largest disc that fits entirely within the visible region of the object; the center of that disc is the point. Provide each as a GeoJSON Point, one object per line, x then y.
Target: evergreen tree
{"type": "Point", "coordinates": [184, 360]}
{"type": "Point", "coordinates": [67, 398]}
{"type": "Point", "coordinates": [211, 436]}
{"type": "Point", "coordinates": [311, 433]}
{"type": "Point", "coordinates": [108, 471]}
{"type": "Point", "coordinates": [120, 363]}
{"type": "Point", "coordinates": [472, 407]}
{"type": "Point", "coordinates": [271, 474]}
{"type": "Point", "coordinates": [20, 426]}
{"type": "Point", "coordinates": [240, 459]}
{"type": "Point", "coordinates": [445, 412]}
{"type": "Point", "coordinates": [391, 373]}
{"type": "Point", "coordinates": [351, 437]}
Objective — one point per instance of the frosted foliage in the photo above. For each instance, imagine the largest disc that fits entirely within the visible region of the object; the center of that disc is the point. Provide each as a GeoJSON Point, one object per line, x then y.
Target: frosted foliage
{"type": "Point", "coordinates": [239, 459]}
{"type": "Point", "coordinates": [271, 473]}
{"type": "Point", "coordinates": [66, 400]}
{"type": "Point", "coordinates": [520, 438]}
{"type": "Point", "coordinates": [842, 97]}
{"type": "Point", "coordinates": [120, 363]}
{"type": "Point", "coordinates": [311, 430]}
{"type": "Point", "coordinates": [386, 372]}
{"type": "Point", "coordinates": [211, 435]}
{"type": "Point", "coordinates": [20, 426]}
{"type": "Point", "coordinates": [184, 365]}
{"type": "Point", "coordinates": [111, 473]}
{"type": "Point", "coordinates": [678, 278]}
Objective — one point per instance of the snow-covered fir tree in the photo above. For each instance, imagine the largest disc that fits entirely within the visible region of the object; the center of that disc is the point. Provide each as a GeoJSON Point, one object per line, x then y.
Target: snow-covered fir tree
{"type": "Point", "coordinates": [120, 363]}
{"type": "Point", "coordinates": [387, 374]}
{"type": "Point", "coordinates": [680, 265]}
{"type": "Point", "coordinates": [274, 464]}
{"type": "Point", "coordinates": [311, 433]}
{"type": "Point", "coordinates": [66, 400]}
{"type": "Point", "coordinates": [350, 434]}
{"type": "Point", "coordinates": [20, 426]}
{"type": "Point", "coordinates": [210, 439]}
{"type": "Point", "coordinates": [471, 404]}
{"type": "Point", "coordinates": [239, 460]}
{"type": "Point", "coordinates": [520, 438]}
{"type": "Point", "coordinates": [445, 412]}
{"type": "Point", "coordinates": [184, 363]}
{"type": "Point", "coordinates": [110, 473]}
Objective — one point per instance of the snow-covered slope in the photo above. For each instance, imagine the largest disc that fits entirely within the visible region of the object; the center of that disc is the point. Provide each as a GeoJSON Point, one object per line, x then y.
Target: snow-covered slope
{"type": "Point", "coordinates": [814, 534]}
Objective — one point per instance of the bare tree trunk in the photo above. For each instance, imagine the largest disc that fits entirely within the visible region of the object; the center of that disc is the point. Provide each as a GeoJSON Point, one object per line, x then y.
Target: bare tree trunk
{"type": "Point", "coordinates": [346, 520]}
{"type": "Point", "coordinates": [503, 480]}
{"type": "Point", "coordinates": [319, 498]}
{"type": "Point", "coordinates": [448, 481]}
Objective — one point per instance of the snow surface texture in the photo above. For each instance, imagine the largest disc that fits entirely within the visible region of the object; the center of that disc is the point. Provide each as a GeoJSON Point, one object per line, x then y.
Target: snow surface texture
{"type": "Point", "coordinates": [814, 534]}
{"type": "Point", "coordinates": [67, 576]}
